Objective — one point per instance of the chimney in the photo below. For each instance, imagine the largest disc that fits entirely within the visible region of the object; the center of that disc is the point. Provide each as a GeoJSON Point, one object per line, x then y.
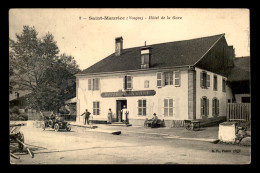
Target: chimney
{"type": "Point", "coordinates": [119, 46]}
{"type": "Point", "coordinates": [146, 57]}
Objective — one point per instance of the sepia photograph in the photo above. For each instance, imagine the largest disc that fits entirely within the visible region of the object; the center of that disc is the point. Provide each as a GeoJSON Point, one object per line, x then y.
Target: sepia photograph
{"type": "Point", "coordinates": [129, 86]}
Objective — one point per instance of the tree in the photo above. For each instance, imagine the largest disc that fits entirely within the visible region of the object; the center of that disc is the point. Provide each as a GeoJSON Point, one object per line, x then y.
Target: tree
{"type": "Point", "coordinates": [35, 66]}
{"type": "Point", "coordinates": [59, 81]}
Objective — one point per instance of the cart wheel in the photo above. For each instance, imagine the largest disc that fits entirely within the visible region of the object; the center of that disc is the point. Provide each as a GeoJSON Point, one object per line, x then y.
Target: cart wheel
{"type": "Point", "coordinates": [43, 126]}
{"type": "Point", "coordinates": [56, 127]}
{"type": "Point", "coordinates": [21, 138]}
{"type": "Point", "coordinates": [68, 128]}
{"type": "Point", "coordinates": [188, 126]}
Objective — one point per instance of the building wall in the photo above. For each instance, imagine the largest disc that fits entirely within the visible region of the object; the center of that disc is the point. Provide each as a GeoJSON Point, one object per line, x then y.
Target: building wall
{"type": "Point", "coordinates": [239, 97]}
{"type": "Point", "coordinates": [114, 83]}
{"type": "Point", "coordinates": [210, 94]}
{"type": "Point", "coordinates": [229, 95]}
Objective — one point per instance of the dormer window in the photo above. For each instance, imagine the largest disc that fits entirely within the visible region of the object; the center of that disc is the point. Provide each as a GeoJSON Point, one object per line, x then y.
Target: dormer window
{"type": "Point", "coordinates": [145, 57]}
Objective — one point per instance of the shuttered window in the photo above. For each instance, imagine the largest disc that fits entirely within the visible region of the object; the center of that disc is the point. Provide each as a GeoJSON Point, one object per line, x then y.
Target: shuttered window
{"type": "Point", "coordinates": [89, 84]}
{"type": "Point", "coordinates": [94, 84]}
{"type": "Point", "coordinates": [204, 102]}
{"type": "Point", "coordinates": [159, 79]}
{"type": "Point", "coordinates": [168, 107]}
{"type": "Point", "coordinates": [142, 107]}
{"type": "Point", "coordinates": [146, 84]}
{"type": "Point", "coordinates": [215, 84]}
{"type": "Point", "coordinates": [208, 80]}
{"type": "Point", "coordinates": [168, 76]}
{"type": "Point", "coordinates": [128, 82]}
{"type": "Point", "coordinates": [215, 107]}
{"type": "Point", "coordinates": [96, 108]}
{"type": "Point", "coordinates": [204, 80]}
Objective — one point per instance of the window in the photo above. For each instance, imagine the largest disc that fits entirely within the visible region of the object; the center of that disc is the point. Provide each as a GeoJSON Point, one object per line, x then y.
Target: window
{"type": "Point", "coordinates": [215, 87]}
{"type": "Point", "coordinates": [245, 99]}
{"type": "Point", "coordinates": [159, 79]}
{"type": "Point", "coordinates": [142, 107]}
{"type": "Point", "coordinates": [145, 59]}
{"type": "Point", "coordinates": [204, 80]}
{"type": "Point", "coordinates": [96, 108]}
{"type": "Point", "coordinates": [223, 85]}
{"type": "Point", "coordinates": [146, 84]}
{"type": "Point", "coordinates": [128, 82]}
{"type": "Point", "coordinates": [168, 78]}
{"type": "Point", "coordinates": [89, 84]}
{"type": "Point", "coordinates": [93, 84]}
{"type": "Point", "coordinates": [177, 78]}
{"type": "Point", "coordinates": [215, 107]}
{"type": "Point", "coordinates": [204, 102]}
{"type": "Point", "coordinates": [168, 107]}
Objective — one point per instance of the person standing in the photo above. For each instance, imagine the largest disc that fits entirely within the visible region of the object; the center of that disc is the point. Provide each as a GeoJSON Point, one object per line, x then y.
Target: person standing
{"type": "Point", "coordinates": [109, 116]}
{"type": "Point", "coordinates": [125, 113]}
{"type": "Point", "coordinates": [87, 114]}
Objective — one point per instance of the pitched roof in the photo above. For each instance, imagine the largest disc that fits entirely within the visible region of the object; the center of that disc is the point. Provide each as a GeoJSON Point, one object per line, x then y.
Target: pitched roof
{"type": "Point", "coordinates": [241, 70]}
{"type": "Point", "coordinates": [170, 54]}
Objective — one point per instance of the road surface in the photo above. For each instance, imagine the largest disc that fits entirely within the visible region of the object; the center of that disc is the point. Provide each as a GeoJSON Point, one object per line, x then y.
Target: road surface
{"type": "Point", "coordinates": [81, 146]}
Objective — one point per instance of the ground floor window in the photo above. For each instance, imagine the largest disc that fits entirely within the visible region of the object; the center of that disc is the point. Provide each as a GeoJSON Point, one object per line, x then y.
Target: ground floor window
{"type": "Point", "coordinates": [168, 107]}
{"type": "Point", "coordinates": [204, 102]}
{"type": "Point", "coordinates": [245, 99]}
{"type": "Point", "coordinates": [96, 108]}
{"type": "Point", "coordinates": [215, 107]}
{"type": "Point", "coordinates": [142, 107]}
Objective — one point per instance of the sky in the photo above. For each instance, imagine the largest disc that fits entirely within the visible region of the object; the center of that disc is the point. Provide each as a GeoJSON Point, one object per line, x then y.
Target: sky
{"type": "Point", "coordinates": [90, 41]}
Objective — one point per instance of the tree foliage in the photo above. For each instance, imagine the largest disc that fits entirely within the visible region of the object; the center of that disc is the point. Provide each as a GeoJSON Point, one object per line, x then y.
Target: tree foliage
{"type": "Point", "coordinates": [35, 66]}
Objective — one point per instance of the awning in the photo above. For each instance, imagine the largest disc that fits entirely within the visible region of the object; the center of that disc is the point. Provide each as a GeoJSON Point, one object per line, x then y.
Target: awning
{"type": "Point", "coordinates": [72, 100]}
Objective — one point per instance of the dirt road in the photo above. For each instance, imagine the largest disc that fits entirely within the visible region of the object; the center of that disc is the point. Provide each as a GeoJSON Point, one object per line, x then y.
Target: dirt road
{"type": "Point", "coordinates": [83, 147]}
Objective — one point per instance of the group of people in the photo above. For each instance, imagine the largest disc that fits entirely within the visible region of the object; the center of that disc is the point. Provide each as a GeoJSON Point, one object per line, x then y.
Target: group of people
{"type": "Point", "coordinates": [124, 112]}
{"type": "Point", "coordinates": [87, 114]}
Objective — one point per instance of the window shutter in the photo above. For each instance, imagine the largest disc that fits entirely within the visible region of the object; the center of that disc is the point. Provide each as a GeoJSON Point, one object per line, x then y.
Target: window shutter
{"type": "Point", "coordinates": [98, 108]}
{"type": "Point", "coordinates": [124, 82]}
{"type": "Point", "coordinates": [160, 107]}
{"type": "Point", "coordinates": [173, 108]}
{"type": "Point", "coordinates": [217, 102]}
{"type": "Point", "coordinates": [93, 84]}
{"type": "Point", "coordinates": [201, 79]}
{"type": "Point", "coordinates": [97, 84]}
{"type": "Point", "coordinates": [145, 107]}
{"type": "Point", "coordinates": [208, 80]}
{"type": "Point", "coordinates": [213, 106]}
{"type": "Point", "coordinates": [131, 82]}
{"type": "Point", "coordinates": [159, 79]}
{"type": "Point", "coordinates": [207, 107]}
{"type": "Point", "coordinates": [89, 84]}
{"type": "Point", "coordinates": [201, 106]}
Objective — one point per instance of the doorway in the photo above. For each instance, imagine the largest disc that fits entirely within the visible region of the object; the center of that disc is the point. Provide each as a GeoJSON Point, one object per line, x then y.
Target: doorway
{"type": "Point", "coordinates": [119, 107]}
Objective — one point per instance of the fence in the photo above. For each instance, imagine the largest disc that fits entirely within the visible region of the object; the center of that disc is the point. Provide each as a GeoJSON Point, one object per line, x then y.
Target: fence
{"type": "Point", "coordinates": [239, 111]}
{"type": "Point", "coordinates": [34, 116]}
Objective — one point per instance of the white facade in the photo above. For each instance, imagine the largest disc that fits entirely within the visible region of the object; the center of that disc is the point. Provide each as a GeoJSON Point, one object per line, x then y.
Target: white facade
{"type": "Point", "coordinates": [113, 82]}
{"type": "Point", "coordinates": [210, 93]}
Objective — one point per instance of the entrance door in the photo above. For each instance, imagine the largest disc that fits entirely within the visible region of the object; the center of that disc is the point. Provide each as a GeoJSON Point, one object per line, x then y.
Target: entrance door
{"type": "Point", "coordinates": [119, 107]}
